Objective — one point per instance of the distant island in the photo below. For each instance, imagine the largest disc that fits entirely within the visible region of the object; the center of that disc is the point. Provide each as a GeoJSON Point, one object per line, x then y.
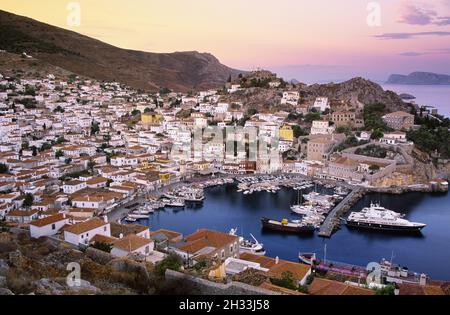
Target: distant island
{"type": "Point", "coordinates": [420, 78]}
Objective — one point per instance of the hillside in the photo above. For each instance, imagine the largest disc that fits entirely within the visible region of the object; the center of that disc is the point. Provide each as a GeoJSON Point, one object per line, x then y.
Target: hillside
{"type": "Point", "coordinates": [420, 78]}
{"type": "Point", "coordinates": [180, 71]}
{"type": "Point", "coordinates": [358, 89]}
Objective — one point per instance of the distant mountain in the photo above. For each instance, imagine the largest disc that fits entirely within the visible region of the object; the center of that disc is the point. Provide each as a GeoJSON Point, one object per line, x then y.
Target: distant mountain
{"type": "Point", "coordinates": [420, 78]}
{"type": "Point", "coordinates": [180, 71]}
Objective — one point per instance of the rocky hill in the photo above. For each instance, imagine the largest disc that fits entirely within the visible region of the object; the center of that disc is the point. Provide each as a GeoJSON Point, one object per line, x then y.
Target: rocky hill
{"type": "Point", "coordinates": [358, 89]}
{"type": "Point", "coordinates": [181, 71]}
{"type": "Point", "coordinates": [39, 266]}
{"type": "Point", "coordinates": [420, 78]}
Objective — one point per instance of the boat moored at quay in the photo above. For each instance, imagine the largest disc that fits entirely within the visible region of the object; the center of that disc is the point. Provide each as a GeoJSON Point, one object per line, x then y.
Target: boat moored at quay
{"type": "Point", "coordinates": [376, 217]}
{"type": "Point", "coordinates": [287, 227]}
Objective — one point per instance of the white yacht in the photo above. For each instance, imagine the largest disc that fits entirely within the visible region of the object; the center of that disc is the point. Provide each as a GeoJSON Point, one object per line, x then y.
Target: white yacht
{"type": "Point", "coordinates": [377, 217]}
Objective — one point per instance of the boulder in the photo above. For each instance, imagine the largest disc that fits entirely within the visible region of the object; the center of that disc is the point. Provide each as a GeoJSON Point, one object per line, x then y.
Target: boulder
{"type": "Point", "coordinates": [4, 267]}
{"type": "Point", "coordinates": [85, 286]}
{"type": "Point", "coordinates": [4, 291]}
{"type": "Point", "coordinates": [3, 282]}
{"type": "Point", "coordinates": [47, 286]}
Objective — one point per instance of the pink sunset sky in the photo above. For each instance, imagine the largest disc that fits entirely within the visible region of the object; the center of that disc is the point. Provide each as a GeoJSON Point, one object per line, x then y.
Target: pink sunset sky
{"type": "Point", "coordinates": [318, 40]}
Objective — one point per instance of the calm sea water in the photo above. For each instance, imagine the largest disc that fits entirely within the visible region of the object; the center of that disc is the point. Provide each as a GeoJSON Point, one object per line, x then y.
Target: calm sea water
{"type": "Point", "coordinates": [430, 95]}
{"type": "Point", "coordinates": [224, 209]}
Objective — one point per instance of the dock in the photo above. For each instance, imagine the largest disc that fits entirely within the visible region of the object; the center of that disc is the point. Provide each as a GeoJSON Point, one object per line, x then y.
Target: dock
{"type": "Point", "coordinates": [333, 220]}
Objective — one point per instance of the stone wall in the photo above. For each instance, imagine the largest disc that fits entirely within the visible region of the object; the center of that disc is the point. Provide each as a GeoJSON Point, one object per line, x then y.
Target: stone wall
{"type": "Point", "coordinates": [212, 288]}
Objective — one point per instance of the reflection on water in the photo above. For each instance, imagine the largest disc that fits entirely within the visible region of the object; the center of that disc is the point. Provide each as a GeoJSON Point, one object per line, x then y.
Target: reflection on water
{"type": "Point", "coordinates": [224, 209]}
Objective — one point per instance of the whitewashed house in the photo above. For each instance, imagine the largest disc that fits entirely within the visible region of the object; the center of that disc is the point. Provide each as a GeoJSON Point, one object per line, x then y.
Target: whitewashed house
{"type": "Point", "coordinates": [48, 226]}
{"type": "Point", "coordinates": [133, 244]}
{"type": "Point", "coordinates": [83, 232]}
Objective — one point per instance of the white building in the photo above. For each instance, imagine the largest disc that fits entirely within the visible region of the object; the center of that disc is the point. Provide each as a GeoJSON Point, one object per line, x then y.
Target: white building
{"type": "Point", "coordinates": [396, 137]}
{"type": "Point", "coordinates": [290, 97]}
{"type": "Point", "coordinates": [321, 104]}
{"type": "Point", "coordinates": [83, 232]}
{"type": "Point", "coordinates": [133, 244]}
{"type": "Point", "coordinates": [48, 226]}
{"type": "Point", "coordinates": [73, 186]}
{"type": "Point", "coordinates": [320, 127]}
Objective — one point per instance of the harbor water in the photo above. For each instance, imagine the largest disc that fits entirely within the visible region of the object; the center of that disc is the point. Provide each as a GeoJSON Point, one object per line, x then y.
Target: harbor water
{"type": "Point", "coordinates": [225, 208]}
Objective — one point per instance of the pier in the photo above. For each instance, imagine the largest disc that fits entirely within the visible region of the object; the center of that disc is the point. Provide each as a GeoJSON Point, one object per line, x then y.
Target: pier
{"type": "Point", "coordinates": [332, 221]}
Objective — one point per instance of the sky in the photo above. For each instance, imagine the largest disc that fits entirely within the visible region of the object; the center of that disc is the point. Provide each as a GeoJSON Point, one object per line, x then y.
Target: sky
{"type": "Point", "coordinates": [312, 41]}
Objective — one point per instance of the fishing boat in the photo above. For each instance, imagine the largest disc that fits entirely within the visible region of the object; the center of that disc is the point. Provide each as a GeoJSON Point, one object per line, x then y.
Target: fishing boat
{"type": "Point", "coordinates": [285, 226]}
{"type": "Point", "coordinates": [247, 246]}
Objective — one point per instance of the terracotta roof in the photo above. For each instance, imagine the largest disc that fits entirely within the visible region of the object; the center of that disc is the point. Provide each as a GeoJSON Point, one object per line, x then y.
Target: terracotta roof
{"type": "Point", "coordinates": [168, 233]}
{"type": "Point", "coordinates": [21, 213]}
{"type": "Point", "coordinates": [132, 242]}
{"type": "Point", "coordinates": [398, 114]}
{"type": "Point", "coordinates": [206, 238]}
{"type": "Point", "coordinates": [265, 262]}
{"type": "Point", "coordinates": [48, 220]}
{"type": "Point", "coordinates": [85, 226]}
{"type": "Point", "coordinates": [299, 271]}
{"type": "Point", "coordinates": [96, 180]}
{"type": "Point", "coordinates": [321, 286]}
{"type": "Point", "coordinates": [103, 239]}
{"type": "Point", "coordinates": [275, 288]}
{"type": "Point", "coordinates": [126, 229]}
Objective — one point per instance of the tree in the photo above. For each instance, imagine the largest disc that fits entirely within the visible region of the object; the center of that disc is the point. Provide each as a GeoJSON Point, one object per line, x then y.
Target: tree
{"type": "Point", "coordinates": [386, 290]}
{"type": "Point", "coordinates": [60, 140]}
{"type": "Point", "coordinates": [29, 90]}
{"type": "Point", "coordinates": [34, 149]}
{"type": "Point", "coordinates": [136, 112]}
{"type": "Point", "coordinates": [252, 111]}
{"type": "Point", "coordinates": [59, 109]}
{"type": "Point", "coordinates": [95, 128]}
{"type": "Point", "coordinates": [298, 131]}
{"type": "Point", "coordinates": [287, 281]}
{"type": "Point", "coordinates": [377, 134]}
{"type": "Point", "coordinates": [147, 110]}
{"type": "Point", "coordinates": [374, 167]}
{"type": "Point", "coordinates": [91, 165]}
{"type": "Point", "coordinates": [105, 247]}
{"type": "Point", "coordinates": [172, 262]}
{"type": "Point", "coordinates": [4, 169]}
{"type": "Point", "coordinates": [373, 117]}
{"type": "Point", "coordinates": [28, 200]}
{"type": "Point", "coordinates": [45, 146]}
{"type": "Point", "coordinates": [58, 154]}
{"type": "Point", "coordinates": [310, 117]}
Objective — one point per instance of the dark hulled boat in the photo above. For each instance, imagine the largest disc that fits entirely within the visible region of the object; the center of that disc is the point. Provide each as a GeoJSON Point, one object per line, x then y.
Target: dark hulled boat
{"type": "Point", "coordinates": [286, 226]}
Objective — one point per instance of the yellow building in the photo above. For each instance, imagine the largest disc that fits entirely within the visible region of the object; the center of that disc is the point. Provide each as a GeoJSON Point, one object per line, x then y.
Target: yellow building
{"type": "Point", "coordinates": [151, 118]}
{"type": "Point", "coordinates": [164, 177]}
{"type": "Point", "coordinates": [286, 133]}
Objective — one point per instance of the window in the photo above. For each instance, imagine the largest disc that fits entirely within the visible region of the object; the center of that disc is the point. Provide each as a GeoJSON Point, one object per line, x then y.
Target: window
{"type": "Point", "coordinates": [104, 228]}
{"type": "Point", "coordinates": [53, 226]}
{"type": "Point", "coordinates": [222, 254]}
